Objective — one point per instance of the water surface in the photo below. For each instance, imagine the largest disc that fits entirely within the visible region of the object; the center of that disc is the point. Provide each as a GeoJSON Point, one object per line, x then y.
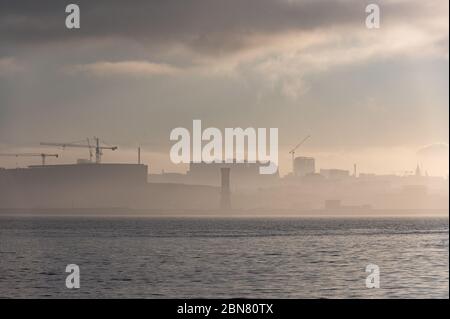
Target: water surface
{"type": "Point", "coordinates": [222, 258]}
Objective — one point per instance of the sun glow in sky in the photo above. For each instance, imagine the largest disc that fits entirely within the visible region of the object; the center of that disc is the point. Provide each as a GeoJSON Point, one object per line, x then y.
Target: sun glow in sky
{"type": "Point", "coordinates": [134, 71]}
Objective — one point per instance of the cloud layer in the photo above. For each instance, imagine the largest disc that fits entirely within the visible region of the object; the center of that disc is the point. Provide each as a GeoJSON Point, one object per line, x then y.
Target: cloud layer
{"type": "Point", "coordinates": [137, 69]}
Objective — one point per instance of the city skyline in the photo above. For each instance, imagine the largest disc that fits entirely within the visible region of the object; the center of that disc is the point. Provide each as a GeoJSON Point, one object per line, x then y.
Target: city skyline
{"type": "Point", "coordinates": [376, 97]}
{"type": "Point", "coordinates": [224, 157]}
{"type": "Point", "coordinates": [160, 161]}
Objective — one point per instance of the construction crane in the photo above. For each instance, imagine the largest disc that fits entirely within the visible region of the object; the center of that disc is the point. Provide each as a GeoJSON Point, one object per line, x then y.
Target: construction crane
{"type": "Point", "coordinates": [292, 152]}
{"type": "Point", "coordinates": [98, 148]}
{"type": "Point", "coordinates": [42, 155]}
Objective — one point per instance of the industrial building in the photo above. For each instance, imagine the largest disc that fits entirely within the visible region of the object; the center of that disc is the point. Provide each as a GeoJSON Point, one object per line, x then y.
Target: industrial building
{"type": "Point", "coordinates": [95, 186]}
{"type": "Point", "coordinates": [71, 186]}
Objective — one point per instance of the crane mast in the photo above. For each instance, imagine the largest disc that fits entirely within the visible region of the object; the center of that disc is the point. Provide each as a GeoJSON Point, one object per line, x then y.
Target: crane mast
{"type": "Point", "coordinates": [292, 152]}
{"type": "Point", "coordinates": [42, 155]}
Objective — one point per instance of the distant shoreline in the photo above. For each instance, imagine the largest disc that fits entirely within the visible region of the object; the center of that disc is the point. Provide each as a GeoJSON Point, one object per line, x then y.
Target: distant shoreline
{"type": "Point", "coordinates": [126, 212]}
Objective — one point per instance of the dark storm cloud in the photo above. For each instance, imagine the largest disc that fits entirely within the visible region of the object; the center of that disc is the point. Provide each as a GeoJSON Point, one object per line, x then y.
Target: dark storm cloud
{"type": "Point", "coordinates": [207, 26]}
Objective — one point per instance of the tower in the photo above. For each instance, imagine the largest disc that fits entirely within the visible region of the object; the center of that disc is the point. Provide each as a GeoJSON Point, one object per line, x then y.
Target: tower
{"type": "Point", "coordinates": [225, 194]}
{"type": "Point", "coordinates": [418, 173]}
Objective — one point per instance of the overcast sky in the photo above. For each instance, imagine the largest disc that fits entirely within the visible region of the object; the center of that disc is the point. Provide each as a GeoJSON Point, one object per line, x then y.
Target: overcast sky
{"type": "Point", "coordinates": [136, 70]}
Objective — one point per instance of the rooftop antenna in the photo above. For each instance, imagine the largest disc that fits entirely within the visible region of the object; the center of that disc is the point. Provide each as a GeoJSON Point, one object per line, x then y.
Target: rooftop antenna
{"type": "Point", "coordinates": [139, 155]}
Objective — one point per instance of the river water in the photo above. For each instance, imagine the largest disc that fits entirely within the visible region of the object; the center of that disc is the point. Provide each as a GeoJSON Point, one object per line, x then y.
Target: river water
{"type": "Point", "coordinates": [121, 257]}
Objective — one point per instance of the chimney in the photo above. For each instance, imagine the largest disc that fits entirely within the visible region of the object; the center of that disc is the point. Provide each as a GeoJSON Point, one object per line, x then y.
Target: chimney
{"type": "Point", "coordinates": [225, 193]}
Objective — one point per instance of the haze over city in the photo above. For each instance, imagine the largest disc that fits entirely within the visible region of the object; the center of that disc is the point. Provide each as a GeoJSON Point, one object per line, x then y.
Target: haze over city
{"type": "Point", "coordinates": [247, 150]}
{"type": "Point", "coordinates": [130, 74]}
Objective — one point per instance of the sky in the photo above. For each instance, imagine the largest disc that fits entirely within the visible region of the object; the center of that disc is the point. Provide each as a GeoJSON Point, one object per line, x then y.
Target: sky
{"type": "Point", "coordinates": [136, 70]}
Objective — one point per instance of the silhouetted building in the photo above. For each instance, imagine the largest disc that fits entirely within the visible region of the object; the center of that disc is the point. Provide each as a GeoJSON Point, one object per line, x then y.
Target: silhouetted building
{"type": "Point", "coordinates": [98, 186]}
{"type": "Point", "coordinates": [304, 166]}
{"type": "Point", "coordinates": [77, 185]}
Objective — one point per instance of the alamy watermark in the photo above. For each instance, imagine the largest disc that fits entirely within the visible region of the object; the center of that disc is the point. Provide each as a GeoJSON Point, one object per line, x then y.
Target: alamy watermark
{"type": "Point", "coordinates": [73, 17]}
{"type": "Point", "coordinates": [373, 16]}
{"type": "Point", "coordinates": [373, 279]}
{"type": "Point", "coordinates": [73, 279]}
{"type": "Point", "coordinates": [228, 149]}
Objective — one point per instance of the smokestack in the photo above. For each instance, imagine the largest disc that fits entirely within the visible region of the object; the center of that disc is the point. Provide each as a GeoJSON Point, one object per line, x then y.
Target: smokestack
{"type": "Point", "coordinates": [225, 194]}
{"type": "Point", "coordinates": [354, 170]}
{"type": "Point", "coordinates": [139, 155]}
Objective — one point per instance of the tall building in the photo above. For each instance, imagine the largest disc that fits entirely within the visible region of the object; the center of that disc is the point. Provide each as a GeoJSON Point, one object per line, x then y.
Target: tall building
{"type": "Point", "coordinates": [304, 166]}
